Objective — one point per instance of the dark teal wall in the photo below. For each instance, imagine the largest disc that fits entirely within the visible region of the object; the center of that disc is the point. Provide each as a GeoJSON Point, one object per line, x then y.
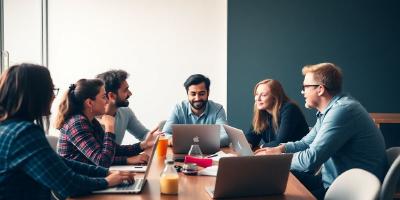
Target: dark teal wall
{"type": "Point", "coordinates": [275, 38]}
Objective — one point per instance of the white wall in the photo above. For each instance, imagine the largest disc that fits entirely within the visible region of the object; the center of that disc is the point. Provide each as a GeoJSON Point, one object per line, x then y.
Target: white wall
{"type": "Point", "coordinates": [160, 43]}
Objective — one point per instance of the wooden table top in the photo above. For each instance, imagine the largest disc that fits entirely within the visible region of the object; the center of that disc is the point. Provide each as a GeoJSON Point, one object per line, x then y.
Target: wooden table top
{"type": "Point", "coordinates": [193, 187]}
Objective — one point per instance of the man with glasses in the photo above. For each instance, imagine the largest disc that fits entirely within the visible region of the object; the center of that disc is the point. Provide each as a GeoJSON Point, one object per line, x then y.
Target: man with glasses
{"type": "Point", "coordinates": [343, 137]}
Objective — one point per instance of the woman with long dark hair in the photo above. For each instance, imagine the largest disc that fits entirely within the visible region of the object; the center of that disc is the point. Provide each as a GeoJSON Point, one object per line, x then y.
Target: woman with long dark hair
{"type": "Point", "coordinates": [29, 168]}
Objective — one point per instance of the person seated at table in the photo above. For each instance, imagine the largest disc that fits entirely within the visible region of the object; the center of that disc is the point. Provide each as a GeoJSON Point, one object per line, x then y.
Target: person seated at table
{"type": "Point", "coordinates": [343, 137]}
{"type": "Point", "coordinates": [276, 118]}
{"type": "Point", "coordinates": [197, 109]}
{"type": "Point", "coordinates": [29, 167]}
{"type": "Point", "coordinates": [83, 138]}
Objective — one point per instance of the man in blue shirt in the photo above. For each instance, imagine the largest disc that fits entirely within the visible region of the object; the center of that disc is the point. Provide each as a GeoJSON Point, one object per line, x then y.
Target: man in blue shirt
{"type": "Point", "coordinates": [118, 93]}
{"type": "Point", "coordinates": [343, 137]}
{"type": "Point", "coordinates": [197, 109]}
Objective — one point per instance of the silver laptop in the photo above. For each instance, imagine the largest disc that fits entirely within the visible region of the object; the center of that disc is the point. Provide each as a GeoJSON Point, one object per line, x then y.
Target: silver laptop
{"type": "Point", "coordinates": [257, 176]}
{"type": "Point", "coordinates": [139, 182]}
{"type": "Point", "coordinates": [206, 135]}
{"type": "Point", "coordinates": [239, 141]}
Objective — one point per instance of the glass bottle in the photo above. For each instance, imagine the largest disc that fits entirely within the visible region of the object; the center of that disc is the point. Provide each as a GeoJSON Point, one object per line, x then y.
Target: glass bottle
{"type": "Point", "coordinates": [169, 180]}
{"type": "Point", "coordinates": [195, 150]}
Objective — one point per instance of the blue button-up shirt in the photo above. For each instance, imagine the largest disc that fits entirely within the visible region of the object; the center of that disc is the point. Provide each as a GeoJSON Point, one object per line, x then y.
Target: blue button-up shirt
{"type": "Point", "coordinates": [343, 137]}
{"type": "Point", "coordinates": [214, 113]}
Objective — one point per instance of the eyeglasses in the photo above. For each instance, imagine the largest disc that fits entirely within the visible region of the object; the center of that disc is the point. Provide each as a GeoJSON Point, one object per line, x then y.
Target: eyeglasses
{"type": "Point", "coordinates": [55, 91]}
{"type": "Point", "coordinates": [305, 86]}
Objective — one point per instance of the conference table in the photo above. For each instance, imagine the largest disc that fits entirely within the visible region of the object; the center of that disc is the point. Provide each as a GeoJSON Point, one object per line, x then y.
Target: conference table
{"type": "Point", "coordinates": [193, 187]}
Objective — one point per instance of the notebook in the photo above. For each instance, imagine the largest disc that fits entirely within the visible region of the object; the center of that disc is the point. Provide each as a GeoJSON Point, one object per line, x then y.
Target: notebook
{"type": "Point", "coordinates": [206, 135]}
{"type": "Point", "coordinates": [257, 176]}
{"type": "Point", "coordinates": [139, 182]}
{"type": "Point", "coordinates": [239, 141]}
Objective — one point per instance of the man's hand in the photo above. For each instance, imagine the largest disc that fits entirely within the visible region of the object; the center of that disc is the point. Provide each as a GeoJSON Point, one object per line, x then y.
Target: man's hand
{"type": "Point", "coordinates": [149, 141]}
{"type": "Point", "coordinates": [270, 151]}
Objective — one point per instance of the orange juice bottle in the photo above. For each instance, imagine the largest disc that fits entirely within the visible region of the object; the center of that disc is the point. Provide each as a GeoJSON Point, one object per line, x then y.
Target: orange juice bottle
{"type": "Point", "coordinates": [169, 180]}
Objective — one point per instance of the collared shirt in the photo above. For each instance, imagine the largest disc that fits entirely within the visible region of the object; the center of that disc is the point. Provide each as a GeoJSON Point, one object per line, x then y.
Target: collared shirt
{"type": "Point", "coordinates": [29, 167]}
{"type": "Point", "coordinates": [214, 113]}
{"type": "Point", "coordinates": [126, 120]}
{"type": "Point", "coordinates": [87, 142]}
{"type": "Point", "coordinates": [343, 137]}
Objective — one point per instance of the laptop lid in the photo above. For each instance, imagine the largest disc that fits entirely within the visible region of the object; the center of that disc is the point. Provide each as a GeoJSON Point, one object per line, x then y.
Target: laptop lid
{"type": "Point", "coordinates": [139, 183]}
{"type": "Point", "coordinates": [239, 141]}
{"type": "Point", "coordinates": [184, 135]}
{"type": "Point", "coordinates": [257, 176]}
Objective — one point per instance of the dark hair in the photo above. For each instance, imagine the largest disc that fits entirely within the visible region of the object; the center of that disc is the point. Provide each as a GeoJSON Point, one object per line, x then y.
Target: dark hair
{"type": "Point", "coordinates": [73, 100]}
{"type": "Point", "coordinates": [26, 92]}
{"type": "Point", "coordinates": [113, 79]}
{"type": "Point", "coordinates": [197, 79]}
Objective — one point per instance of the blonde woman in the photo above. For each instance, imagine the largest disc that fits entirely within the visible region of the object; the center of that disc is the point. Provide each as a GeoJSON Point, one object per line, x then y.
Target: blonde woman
{"type": "Point", "coordinates": [276, 118]}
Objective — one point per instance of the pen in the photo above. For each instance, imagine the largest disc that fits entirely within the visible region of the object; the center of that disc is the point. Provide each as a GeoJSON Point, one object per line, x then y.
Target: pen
{"type": "Point", "coordinates": [214, 155]}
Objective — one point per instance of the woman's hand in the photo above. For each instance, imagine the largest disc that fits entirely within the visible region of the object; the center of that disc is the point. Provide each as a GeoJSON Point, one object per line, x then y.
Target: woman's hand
{"type": "Point", "coordinates": [117, 177]}
{"type": "Point", "coordinates": [139, 159]}
{"type": "Point", "coordinates": [108, 121]}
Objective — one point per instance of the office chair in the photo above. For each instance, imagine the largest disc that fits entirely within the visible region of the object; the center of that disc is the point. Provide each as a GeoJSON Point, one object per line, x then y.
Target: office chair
{"type": "Point", "coordinates": [354, 184]}
{"type": "Point", "coordinates": [390, 183]}
{"type": "Point", "coordinates": [53, 140]}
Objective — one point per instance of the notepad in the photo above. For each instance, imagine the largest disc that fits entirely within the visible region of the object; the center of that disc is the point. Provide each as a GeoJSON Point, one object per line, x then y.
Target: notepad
{"type": "Point", "coordinates": [209, 171]}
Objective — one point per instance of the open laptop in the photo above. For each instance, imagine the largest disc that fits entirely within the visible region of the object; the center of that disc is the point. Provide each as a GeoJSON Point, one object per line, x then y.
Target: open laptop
{"type": "Point", "coordinates": [206, 135]}
{"type": "Point", "coordinates": [257, 176]}
{"type": "Point", "coordinates": [239, 141]}
{"type": "Point", "coordinates": [139, 182]}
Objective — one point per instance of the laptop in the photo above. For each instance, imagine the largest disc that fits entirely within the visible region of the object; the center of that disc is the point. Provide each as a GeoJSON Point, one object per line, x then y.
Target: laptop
{"type": "Point", "coordinates": [239, 141]}
{"type": "Point", "coordinates": [206, 135]}
{"type": "Point", "coordinates": [139, 182]}
{"type": "Point", "coordinates": [257, 176]}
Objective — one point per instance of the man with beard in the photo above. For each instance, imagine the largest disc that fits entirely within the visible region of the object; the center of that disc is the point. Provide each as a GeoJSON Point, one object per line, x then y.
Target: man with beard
{"type": "Point", "coordinates": [118, 93]}
{"type": "Point", "coordinates": [344, 136]}
{"type": "Point", "coordinates": [197, 109]}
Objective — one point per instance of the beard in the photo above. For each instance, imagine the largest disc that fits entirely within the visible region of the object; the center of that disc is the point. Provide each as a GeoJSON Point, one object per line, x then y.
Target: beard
{"type": "Point", "coordinates": [122, 103]}
{"type": "Point", "coordinates": [198, 105]}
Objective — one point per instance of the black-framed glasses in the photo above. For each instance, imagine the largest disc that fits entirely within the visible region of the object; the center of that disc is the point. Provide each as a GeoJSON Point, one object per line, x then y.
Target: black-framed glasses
{"type": "Point", "coordinates": [55, 91]}
{"type": "Point", "coordinates": [306, 86]}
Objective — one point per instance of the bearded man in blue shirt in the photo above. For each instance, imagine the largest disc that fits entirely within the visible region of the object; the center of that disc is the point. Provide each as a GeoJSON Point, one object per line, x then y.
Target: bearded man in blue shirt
{"type": "Point", "coordinates": [197, 109]}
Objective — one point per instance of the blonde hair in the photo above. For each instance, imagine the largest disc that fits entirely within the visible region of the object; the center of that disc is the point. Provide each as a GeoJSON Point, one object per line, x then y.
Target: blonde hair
{"type": "Point", "coordinates": [260, 117]}
{"type": "Point", "coordinates": [327, 74]}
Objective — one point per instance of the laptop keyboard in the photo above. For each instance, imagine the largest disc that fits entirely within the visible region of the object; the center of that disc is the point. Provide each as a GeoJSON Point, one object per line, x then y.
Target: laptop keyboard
{"type": "Point", "coordinates": [128, 186]}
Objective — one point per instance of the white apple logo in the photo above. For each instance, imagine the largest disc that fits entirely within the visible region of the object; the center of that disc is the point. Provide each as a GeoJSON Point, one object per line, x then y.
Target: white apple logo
{"type": "Point", "coordinates": [196, 139]}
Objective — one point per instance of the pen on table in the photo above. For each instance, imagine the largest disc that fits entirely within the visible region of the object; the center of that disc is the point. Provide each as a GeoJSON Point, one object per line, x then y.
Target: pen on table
{"type": "Point", "coordinates": [213, 155]}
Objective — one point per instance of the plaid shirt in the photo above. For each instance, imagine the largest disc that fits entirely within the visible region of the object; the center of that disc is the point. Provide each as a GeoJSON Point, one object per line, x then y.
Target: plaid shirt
{"type": "Point", "coordinates": [29, 168]}
{"type": "Point", "coordinates": [87, 142]}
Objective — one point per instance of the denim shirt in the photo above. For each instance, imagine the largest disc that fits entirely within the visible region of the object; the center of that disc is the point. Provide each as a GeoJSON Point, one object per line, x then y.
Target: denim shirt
{"type": "Point", "coordinates": [343, 137]}
{"type": "Point", "coordinates": [214, 113]}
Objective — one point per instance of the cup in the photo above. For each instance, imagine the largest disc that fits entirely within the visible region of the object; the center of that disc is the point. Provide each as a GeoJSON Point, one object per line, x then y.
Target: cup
{"type": "Point", "coordinates": [162, 146]}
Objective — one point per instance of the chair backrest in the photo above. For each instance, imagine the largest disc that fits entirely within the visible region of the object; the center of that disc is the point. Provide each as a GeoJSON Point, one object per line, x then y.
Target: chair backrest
{"type": "Point", "coordinates": [354, 184]}
{"type": "Point", "coordinates": [53, 141]}
{"type": "Point", "coordinates": [390, 183]}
